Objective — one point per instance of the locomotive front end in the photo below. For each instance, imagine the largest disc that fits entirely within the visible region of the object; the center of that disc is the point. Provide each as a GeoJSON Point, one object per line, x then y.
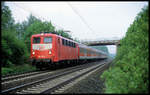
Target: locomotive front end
{"type": "Point", "coordinates": [41, 50]}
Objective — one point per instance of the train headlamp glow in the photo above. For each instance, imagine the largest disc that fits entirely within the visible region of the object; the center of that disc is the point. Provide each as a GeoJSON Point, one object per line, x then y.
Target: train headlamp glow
{"type": "Point", "coordinates": [50, 52]}
{"type": "Point", "coordinates": [33, 52]}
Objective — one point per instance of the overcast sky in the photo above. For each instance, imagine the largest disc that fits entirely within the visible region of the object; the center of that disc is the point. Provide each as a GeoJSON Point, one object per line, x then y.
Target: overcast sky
{"type": "Point", "coordinates": [85, 20]}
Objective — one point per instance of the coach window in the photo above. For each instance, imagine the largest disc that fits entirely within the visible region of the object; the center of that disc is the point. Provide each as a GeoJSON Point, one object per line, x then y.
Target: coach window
{"type": "Point", "coordinates": [47, 40]}
{"type": "Point", "coordinates": [63, 41]}
{"type": "Point", "coordinates": [36, 40]}
{"type": "Point", "coordinates": [67, 43]}
{"type": "Point", "coordinates": [71, 44]}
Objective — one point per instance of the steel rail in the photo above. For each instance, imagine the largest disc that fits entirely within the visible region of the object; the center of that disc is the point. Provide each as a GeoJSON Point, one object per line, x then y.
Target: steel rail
{"type": "Point", "coordinates": [42, 80]}
{"type": "Point", "coordinates": [69, 80]}
{"type": "Point", "coordinates": [21, 75]}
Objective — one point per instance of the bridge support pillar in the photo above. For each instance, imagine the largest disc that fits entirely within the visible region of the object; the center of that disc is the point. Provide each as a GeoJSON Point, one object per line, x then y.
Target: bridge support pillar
{"type": "Point", "coordinates": [117, 45]}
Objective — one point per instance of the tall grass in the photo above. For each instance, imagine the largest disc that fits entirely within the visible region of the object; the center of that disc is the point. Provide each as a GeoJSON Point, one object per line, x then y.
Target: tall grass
{"type": "Point", "coordinates": [17, 69]}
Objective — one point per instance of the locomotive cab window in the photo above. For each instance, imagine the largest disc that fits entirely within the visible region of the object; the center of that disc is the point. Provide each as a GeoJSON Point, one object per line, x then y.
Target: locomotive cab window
{"type": "Point", "coordinates": [36, 40]}
{"type": "Point", "coordinates": [48, 40]}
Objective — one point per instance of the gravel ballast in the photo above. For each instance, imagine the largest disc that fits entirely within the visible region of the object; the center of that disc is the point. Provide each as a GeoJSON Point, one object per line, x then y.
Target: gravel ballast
{"type": "Point", "coordinates": [90, 84]}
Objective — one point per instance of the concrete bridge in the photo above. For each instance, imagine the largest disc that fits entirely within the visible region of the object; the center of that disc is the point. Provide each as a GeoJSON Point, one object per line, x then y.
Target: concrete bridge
{"type": "Point", "coordinates": [102, 42]}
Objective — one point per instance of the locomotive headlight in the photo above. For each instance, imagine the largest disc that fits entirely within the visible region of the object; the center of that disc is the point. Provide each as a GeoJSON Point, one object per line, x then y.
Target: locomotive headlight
{"type": "Point", "coordinates": [42, 33]}
{"type": "Point", "coordinates": [33, 52]}
{"type": "Point", "coordinates": [50, 52]}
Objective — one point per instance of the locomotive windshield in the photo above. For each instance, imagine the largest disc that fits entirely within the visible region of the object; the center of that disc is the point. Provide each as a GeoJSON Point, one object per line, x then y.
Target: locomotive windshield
{"type": "Point", "coordinates": [36, 40]}
{"type": "Point", "coordinates": [47, 40]}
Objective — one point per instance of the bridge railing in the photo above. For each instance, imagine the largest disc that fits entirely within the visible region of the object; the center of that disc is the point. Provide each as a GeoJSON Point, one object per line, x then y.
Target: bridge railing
{"type": "Point", "coordinates": [102, 42]}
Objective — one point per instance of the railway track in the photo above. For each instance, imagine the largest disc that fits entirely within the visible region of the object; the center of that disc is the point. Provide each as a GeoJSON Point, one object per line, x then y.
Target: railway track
{"type": "Point", "coordinates": [59, 88]}
{"type": "Point", "coordinates": [17, 76]}
{"type": "Point", "coordinates": [47, 83]}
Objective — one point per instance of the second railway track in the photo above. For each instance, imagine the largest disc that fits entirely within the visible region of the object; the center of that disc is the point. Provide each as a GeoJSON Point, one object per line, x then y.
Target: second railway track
{"type": "Point", "coordinates": [51, 80]}
{"type": "Point", "coordinates": [9, 78]}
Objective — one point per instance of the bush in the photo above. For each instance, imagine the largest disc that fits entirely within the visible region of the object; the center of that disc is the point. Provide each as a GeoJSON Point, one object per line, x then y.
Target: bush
{"type": "Point", "coordinates": [129, 74]}
{"type": "Point", "coordinates": [17, 69]}
{"type": "Point", "coordinates": [13, 50]}
{"type": "Point", "coordinates": [23, 68]}
{"type": "Point", "coordinates": [6, 71]}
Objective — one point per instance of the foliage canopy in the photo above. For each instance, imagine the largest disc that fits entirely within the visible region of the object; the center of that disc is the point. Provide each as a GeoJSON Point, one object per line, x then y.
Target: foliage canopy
{"type": "Point", "coordinates": [16, 37]}
{"type": "Point", "coordinates": [129, 74]}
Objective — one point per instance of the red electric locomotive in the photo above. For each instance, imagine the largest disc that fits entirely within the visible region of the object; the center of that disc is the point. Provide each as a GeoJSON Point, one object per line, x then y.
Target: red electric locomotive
{"type": "Point", "coordinates": [48, 49]}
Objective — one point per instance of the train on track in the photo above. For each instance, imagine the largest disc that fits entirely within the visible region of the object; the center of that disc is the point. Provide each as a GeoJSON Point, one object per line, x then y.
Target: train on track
{"type": "Point", "coordinates": [49, 49]}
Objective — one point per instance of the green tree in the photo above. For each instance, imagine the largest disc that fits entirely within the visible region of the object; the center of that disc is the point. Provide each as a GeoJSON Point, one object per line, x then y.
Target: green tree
{"type": "Point", "coordinates": [7, 19]}
{"type": "Point", "coordinates": [64, 34]}
{"type": "Point", "coordinates": [129, 74]}
{"type": "Point", "coordinates": [13, 50]}
{"type": "Point", "coordinates": [16, 37]}
{"type": "Point", "coordinates": [21, 28]}
{"type": "Point", "coordinates": [35, 28]}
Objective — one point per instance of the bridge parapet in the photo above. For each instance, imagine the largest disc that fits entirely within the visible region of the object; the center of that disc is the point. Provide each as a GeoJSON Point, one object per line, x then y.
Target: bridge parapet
{"type": "Point", "coordinates": [102, 42]}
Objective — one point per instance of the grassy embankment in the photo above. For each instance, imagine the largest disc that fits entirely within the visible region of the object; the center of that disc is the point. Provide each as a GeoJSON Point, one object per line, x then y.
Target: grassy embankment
{"type": "Point", "coordinates": [17, 69]}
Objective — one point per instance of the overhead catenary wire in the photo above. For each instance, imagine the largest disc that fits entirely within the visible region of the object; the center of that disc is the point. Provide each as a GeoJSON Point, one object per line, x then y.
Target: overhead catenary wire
{"type": "Point", "coordinates": [81, 17]}
{"type": "Point", "coordinates": [34, 14]}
